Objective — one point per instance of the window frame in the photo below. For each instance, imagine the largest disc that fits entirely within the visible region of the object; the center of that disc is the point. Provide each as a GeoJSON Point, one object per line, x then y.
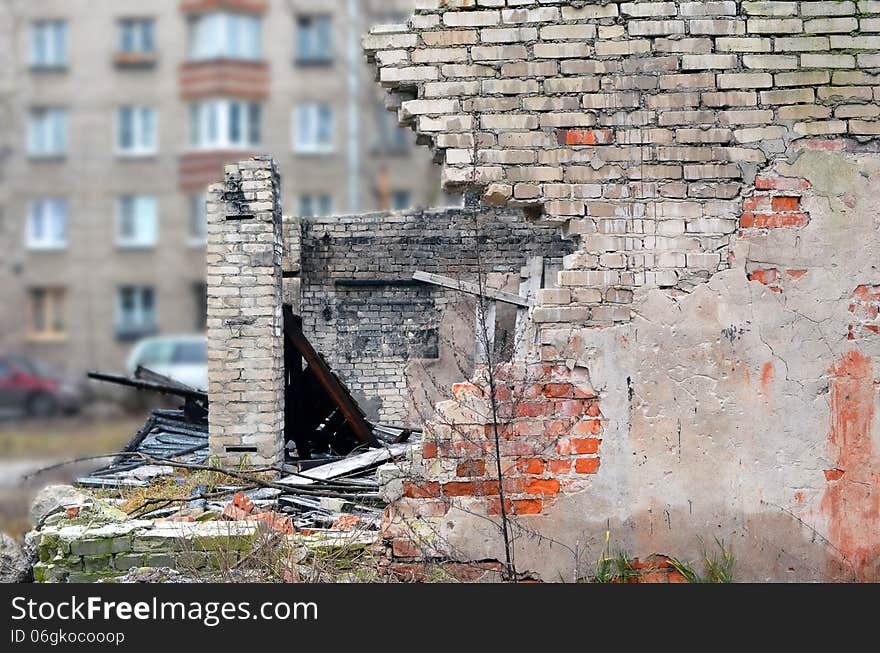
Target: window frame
{"type": "Point", "coordinates": [138, 150]}
{"type": "Point", "coordinates": [147, 321]}
{"type": "Point", "coordinates": [231, 27]}
{"type": "Point", "coordinates": [54, 300]}
{"type": "Point", "coordinates": [48, 210]}
{"type": "Point", "coordinates": [314, 57]}
{"type": "Point", "coordinates": [313, 146]}
{"type": "Point", "coordinates": [39, 128]}
{"type": "Point", "coordinates": [55, 49]}
{"type": "Point", "coordinates": [219, 111]}
{"type": "Point", "coordinates": [132, 243]}
{"type": "Point", "coordinates": [137, 24]}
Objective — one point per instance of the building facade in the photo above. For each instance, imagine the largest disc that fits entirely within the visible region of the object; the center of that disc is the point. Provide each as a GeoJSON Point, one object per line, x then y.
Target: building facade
{"type": "Point", "coordinates": [116, 116]}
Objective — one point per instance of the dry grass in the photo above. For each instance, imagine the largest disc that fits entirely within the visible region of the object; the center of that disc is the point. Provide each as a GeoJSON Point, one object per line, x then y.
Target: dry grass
{"type": "Point", "coordinates": [167, 491]}
{"type": "Point", "coordinates": [50, 441]}
{"type": "Point", "coordinates": [64, 438]}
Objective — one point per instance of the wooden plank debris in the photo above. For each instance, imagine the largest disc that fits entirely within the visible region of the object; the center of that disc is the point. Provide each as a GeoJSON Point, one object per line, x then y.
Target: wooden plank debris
{"type": "Point", "coordinates": [347, 465]}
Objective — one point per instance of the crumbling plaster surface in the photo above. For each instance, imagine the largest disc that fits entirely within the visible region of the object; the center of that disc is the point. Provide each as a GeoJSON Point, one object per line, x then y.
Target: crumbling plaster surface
{"type": "Point", "coordinates": [719, 411]}
{"type": "Point", "coordinates": [724, 299]}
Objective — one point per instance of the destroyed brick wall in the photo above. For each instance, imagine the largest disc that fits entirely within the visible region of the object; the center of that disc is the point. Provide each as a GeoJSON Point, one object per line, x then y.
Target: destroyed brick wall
{"type": "Point", "coordinates": [399, 344]}
{"type": "Point", "coordinates": [245, 339]}
{"type": "Point", "coordinates": [705, 366]}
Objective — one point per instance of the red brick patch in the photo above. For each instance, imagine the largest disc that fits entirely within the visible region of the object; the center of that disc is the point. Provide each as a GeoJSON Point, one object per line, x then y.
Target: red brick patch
{"type": "Point", "coordinates": [577, 137]}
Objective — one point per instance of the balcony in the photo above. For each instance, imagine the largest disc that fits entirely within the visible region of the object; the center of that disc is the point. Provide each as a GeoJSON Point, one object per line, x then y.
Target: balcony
{"type": "Point", "coordinates": [205, 6]}
{"type": "Point", "coordinates": [247, 80]}
{"type": "Point", "coordinates": [197, 170]}
{"type": "Point", "coordinates": [135, 60]}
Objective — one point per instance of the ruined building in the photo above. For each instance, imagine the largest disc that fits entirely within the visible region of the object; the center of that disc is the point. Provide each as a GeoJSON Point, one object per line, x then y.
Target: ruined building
{"type": "Point", "coordinates": [114, 118]}
{"type": "Point", "coordinates": [703, 366]}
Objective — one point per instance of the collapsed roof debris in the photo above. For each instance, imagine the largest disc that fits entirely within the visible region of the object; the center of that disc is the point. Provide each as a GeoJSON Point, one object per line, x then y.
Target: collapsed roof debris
{"type": "Point", "coordinates": [329, 477]}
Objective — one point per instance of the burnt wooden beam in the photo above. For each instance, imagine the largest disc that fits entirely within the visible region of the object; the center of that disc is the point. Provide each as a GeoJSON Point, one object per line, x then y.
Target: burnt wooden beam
{"type": "Point", "coordinates": [472, 289]}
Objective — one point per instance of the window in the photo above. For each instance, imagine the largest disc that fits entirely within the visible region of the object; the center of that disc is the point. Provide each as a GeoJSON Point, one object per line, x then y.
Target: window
{"type": "Point", "coordinates": [314, 40]}
{"type": "Point", "coordinates": [313, 128]}
{"type": "Point", "coordinates": [135, 311]}
{"type": "Point", "coordinates": [47, 132]}
{"type": "Point", "coordinates": [137, 35]}
{"type": "Point", "coordinates": [46, 313]}
{"type": "Point", "coordinates": [47, 224]}
{"type": "Point", "coordinates": [392, 137]}
{"type": "Point", "coordinates": [401, 200]}
{"type": "Point", "coordinates": [198, 219]}
{"type": "Point", "coordinates": [311, 206]}
{"type": "Point", "coordinates": [137, 222]}
{"type": "Point", "coordinates": [225, 124]}
{"type": "Point", "coordinates": [136, 131]}
{"type": "Point", "coordinates": [225, 36]}
{"type": "Point", "coordinates": [49, 44]}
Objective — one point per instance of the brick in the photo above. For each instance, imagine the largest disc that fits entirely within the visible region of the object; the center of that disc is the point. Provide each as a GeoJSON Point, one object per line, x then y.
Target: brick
{"type": "Point", "coordinates": [838, 8]}
{"type": "Point", "coordinates": [828, 61]}
{"type": "Point", "coordinates": [831, 25]}
{"type": "Point", "coordinates": [587, 465]}
{"type": "Point", "coordinates": [770, 8]}
{"type": "Point", "coordinates": [585, 136]}
{"type": "Point", "coordinates": [802, 44]}
{"type": "Point", "coordinates": [568, 32]}
{"type": "Point", "coordinates": [748, 44]}
{"type": "Point", "coordinates": [717, 27]}
{"type": "Point", "coordinates": [731, 99]}
{"type": "Point", "coordinates": [745, 80]}
{"type": "Point", "coordinates": [645, 9]}
{"type": "Point", "coordinates": [809, 78]}
{"type": "Point", "coordinates": [656, 27]}
{"type": "Point", "coordinates": [774, 220]}
{"type": "Point", "coordinates": [708, 62]}
{"type": "Point", "coordinates": [775, 26]}
{"type": "Point", "coordinates": [791, 96]}
{"type": "Point", "coordinates": [546, 487]}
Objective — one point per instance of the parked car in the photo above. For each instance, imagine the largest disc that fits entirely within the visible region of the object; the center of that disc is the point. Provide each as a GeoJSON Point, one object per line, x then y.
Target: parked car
{"type": "Point", "coordinates": [27, 387]}
{"type": "Point", "coordinates": [182, 358]}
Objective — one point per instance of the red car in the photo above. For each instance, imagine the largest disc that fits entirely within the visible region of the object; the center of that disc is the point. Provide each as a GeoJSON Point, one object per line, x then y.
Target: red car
{"type": "Point", "coordinates": [26, 388]}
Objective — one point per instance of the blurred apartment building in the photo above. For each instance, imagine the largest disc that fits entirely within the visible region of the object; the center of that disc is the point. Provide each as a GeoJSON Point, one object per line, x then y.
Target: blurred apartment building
{"type": "Point", "coordinates": [115, 115]}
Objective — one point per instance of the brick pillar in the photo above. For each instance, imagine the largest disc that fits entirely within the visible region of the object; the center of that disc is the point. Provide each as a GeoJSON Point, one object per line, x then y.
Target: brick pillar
{"type": "Point", "coordinates": [245, 332]}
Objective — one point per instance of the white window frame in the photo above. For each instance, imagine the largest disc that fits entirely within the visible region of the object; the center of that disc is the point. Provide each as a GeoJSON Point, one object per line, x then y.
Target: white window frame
{"type": "Point", "coordinates": [306, 140]}
{"type": "Point", "coordinates": [138, 28]}
{"type": "Point", "coordinates": [48, 44]}
{"type": "Point", "coordinates": [139, 325]}
{"type": "Point", "coordinates": [52, 212]}
{"type": "Point", "coordinates": [146, 235]}
{"type": "Point", "coordinates": [140, 147]}
{"type": "Point", "coordinates": [47, 132]}
{"type": "Point", "coordinates": [235, 36]}
{"type": "Point", "coordinates": [219, 112]}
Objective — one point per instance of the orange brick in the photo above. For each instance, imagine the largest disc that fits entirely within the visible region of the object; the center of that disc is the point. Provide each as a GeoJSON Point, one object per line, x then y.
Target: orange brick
{"type": "Point", "coordinates": [586, 465]}
{"type": "Point", "coordinates": [531, 466]}
{"type": "Point", "coordinates": [543, 486]}
{"type": "Point", "coordinates": [528, 506]}
{"type": "Point", "coordinates": [786, 203]}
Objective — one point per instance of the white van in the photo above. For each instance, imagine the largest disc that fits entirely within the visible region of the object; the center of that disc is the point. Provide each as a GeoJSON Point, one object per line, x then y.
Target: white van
{"type": "Point", "coordinates": [182, 358]}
